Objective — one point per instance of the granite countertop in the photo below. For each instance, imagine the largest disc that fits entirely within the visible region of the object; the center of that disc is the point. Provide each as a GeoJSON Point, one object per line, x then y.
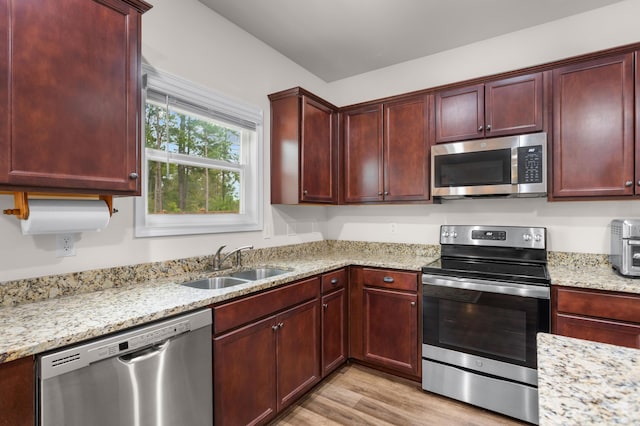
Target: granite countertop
{"type": "Point", "coordinates": [593, 277]}
{"type": "Point", "coordinates": [49, 323]}
{"type": "Point", "coordinates": [32, 328]}
{"type": "Point", "coordinates": [587, 383]}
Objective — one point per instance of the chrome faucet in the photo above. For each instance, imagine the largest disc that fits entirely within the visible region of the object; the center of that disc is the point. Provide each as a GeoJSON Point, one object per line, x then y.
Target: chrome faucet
{"type": "Point", "coordinates": [218, 260]}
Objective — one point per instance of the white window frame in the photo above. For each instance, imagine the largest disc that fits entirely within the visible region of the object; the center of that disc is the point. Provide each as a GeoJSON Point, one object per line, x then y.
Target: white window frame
{"type": "Point", "coordinates": [250, 217]}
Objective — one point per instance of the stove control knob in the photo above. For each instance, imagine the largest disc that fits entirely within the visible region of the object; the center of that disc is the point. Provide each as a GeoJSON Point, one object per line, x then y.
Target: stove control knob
{"type": "Point", "coordinates": [445, 234]}
{"type": "Point", "coordinates": [455, 234]}
{"type": "Point", "coordinates": [537, 237]}
{"type": "Point", "coordinates": [526, 237]}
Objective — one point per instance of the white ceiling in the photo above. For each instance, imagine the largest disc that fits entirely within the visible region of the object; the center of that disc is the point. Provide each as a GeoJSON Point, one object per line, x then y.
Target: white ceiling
{"type": "Point", "coordinates": [335, 39]}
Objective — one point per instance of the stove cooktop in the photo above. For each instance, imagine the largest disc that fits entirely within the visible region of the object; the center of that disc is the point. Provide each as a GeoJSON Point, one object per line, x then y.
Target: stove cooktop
{"type": "Point", "coordinates": [514, 272]}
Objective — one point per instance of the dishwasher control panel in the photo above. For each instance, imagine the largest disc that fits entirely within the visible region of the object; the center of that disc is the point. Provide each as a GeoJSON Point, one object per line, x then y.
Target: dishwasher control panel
{"type": "Point", "coordinates": [138, 341]}
{"type": "Point", "coordinates": [83, 354]}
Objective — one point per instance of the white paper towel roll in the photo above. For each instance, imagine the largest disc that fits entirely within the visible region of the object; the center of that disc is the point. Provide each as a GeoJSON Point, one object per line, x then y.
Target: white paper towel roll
{"type": "Point", "coordinates": [65, 216]}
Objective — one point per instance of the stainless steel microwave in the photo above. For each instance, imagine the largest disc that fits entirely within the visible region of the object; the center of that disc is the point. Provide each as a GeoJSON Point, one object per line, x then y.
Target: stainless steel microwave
{"type": "Point", "coordinates": [511, 166]}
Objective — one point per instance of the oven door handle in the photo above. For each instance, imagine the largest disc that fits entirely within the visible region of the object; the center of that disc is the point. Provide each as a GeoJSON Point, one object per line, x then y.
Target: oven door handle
{"type": "Point", "coordinates": [514, 289]}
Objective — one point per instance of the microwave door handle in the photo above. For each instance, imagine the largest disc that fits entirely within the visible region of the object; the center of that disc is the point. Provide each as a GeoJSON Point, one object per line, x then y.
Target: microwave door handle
{"type": "Point", "coordinates": [513, 289]}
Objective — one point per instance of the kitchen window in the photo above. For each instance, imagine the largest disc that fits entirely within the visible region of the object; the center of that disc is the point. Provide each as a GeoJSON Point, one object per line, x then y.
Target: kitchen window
{"type": "Point", "coordinates": [202, 161]}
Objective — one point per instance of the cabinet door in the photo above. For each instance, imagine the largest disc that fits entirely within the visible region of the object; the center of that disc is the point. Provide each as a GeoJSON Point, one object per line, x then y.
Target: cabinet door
{"type": "Point", "coordinates": [406, 150]}
{"type": "Point", "coordinates": [334, 330]}
{"type": "Point", "coordinates": [17, 387]}
{"type": "Point", "coordinates": [593, 140]}
{"type": "Point", "coordinates": [391, 329]}
{"type": "Point", "coordinates": [70, 96]}
{"type": "Point", "coordinates": [318, 153]}
{"type": "Point", "coordinates": [298, 352]}
{"type": "Point", "coordinates": [637, 151]}
{"type": "Point", "coordinates": [244, 374]}
{"type": "Point", "coordinates": [363, 155]}
{"type": "Point", "coordinates": [513, 105]}
{"type": "Point", "coordinates": [460, 114]}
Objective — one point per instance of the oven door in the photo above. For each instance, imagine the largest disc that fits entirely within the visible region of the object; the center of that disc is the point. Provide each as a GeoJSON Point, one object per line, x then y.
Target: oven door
{"type": "Point", "coordinates": [491, 320]}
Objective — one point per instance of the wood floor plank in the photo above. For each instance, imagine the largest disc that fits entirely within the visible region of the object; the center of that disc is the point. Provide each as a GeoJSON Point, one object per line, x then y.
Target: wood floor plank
{"type": "Point", "coordinates": [357, 395]}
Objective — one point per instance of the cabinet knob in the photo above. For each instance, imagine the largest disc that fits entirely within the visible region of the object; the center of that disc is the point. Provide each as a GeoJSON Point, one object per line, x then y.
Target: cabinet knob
{"type": "Point", "coordinates": [280, 324]}
{"type": "Point", "coordinates": [334, 281]}
{"type": "Point", "coordinates": [386, 192]}
{"type": "Point", "coordinates": [133, 176]}
{"type": "Point", "coordinates": [413, 303]}
{"type": "Point", "coordinates": [480, 128]}
{"type": "Point", "coordinates": [380, 193]}
{"type": "Point", "coordinates": [639, 183]}
{"type": "Point", "coordinates": [628, 183]}
{"type": "Point", "coordinates": [305, 192]}
{"type": "Point", "coordinates": [325, 306]}
{"type": "Point", "coordinates": [488, 127]}
{"type": "Point", "coordinates": [274, 327]}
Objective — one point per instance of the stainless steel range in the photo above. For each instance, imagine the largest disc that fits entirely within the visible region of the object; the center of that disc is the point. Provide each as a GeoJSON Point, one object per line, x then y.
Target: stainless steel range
{"type": "Point", "coordinates": [484, 301]}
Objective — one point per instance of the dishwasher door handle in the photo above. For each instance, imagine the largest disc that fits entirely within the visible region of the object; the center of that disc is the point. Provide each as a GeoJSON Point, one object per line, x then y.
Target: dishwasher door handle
{"type": "Point", "coordinates": [145, 354]}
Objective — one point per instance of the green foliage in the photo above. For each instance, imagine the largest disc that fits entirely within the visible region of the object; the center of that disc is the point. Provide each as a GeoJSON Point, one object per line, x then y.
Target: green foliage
{"type": "Point", "coordinates": [181, 189]}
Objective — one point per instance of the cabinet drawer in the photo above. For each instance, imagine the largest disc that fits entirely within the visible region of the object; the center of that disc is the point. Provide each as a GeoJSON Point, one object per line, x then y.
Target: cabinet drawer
{"type": "Point", "coordinates": [596, 304]}
{"type": "Point", "coordinates": [597, 330]}
{"type": "Point", "coordinates": [334, 280]}
{"type": "Point", "coordinates": [238, 312]}
{"type": "Point", "coordinates": [391, 279]}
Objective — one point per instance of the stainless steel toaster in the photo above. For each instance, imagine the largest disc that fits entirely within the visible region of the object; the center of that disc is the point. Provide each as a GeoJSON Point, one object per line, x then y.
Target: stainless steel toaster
{"type": "Point", "coordinates": [625, 246]}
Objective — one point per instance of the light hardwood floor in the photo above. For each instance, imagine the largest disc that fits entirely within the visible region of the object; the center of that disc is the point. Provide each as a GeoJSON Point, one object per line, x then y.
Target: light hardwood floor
{"type": "Point", "coordinates": [357, 395]}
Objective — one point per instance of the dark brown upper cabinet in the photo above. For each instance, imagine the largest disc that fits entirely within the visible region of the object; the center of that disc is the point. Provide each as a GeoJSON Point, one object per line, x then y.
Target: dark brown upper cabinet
{"type": "Point", "coordinates": [593, 128]}
{"type": "Point", "coordinates": [498, 108]}
{"type": "Point", "coordinates": [386, 151]}
{"type": "Point", "coordinates": [70, 95]}
{"type": "Point", "coordinates": [304, 149]}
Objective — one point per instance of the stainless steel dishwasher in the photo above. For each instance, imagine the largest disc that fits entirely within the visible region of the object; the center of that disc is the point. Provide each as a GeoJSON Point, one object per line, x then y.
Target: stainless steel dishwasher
{"type": "Point", "coordinates": [154, 375]}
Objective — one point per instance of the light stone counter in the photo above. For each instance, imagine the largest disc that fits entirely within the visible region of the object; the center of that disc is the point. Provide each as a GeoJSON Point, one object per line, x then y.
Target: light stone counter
{"type": "Point", "coordinates": [593, 277]}
{"type": "Point", "coordinates": [587, 383]}
{"type": "Point", "coordinates": [45, 313]}
{"type": "Point", "coordinates": [31, 328]}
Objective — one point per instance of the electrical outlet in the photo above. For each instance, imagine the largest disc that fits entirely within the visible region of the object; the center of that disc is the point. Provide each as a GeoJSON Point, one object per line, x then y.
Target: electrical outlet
{"type": "Point", "coordinates": [65, 245]}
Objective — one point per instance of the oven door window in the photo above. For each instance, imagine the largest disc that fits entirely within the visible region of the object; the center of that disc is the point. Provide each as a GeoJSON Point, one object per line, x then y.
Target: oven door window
{"type": "Point", "coordinates": [496, 326]}
{"type": "Point", "coordinates": [473, 168]}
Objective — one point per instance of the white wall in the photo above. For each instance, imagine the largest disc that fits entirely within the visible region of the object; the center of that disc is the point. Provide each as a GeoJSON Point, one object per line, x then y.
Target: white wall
{"type": "Point", "coordinates": [599, 29]}
{"type": "Point", "coordinates": [581, 227]}
{"type": "Point", "coordinates": [187, 39]}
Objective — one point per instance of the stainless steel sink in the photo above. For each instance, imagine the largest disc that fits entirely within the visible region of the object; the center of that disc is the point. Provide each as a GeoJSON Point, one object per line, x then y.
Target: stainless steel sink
{"type": "Point", "coordinates": [215, 282]}
{"type": "Point", "coordinates": [259, 273]}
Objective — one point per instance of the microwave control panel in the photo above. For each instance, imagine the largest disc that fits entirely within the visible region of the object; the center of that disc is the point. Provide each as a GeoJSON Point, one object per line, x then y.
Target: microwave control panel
{"type": "Point", "coordinates": [530, 167]}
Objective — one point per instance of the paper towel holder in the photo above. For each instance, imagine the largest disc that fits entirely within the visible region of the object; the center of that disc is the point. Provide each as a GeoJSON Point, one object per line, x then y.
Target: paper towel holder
{"type": "Point", "coordinates": [21, 202]}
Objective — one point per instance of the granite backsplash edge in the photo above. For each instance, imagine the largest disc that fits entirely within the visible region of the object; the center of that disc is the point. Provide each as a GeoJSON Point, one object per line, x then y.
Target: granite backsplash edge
{"type": "Point", "coordinates": [28, 290]}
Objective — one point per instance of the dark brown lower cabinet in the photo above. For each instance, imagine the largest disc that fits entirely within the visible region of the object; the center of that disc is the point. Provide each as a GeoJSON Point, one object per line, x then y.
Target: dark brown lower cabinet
{"type": "Point", "coordinates": [334, 320]}
{"type": "Point", "coordinates": [391, 329]}
{"type": "Point", "coordinates": [266, 364]}
{"type": "Point", "coordinates": [600, 316]}
{"type": "Point", "coordinates": [384, 309]}
{"type": "Point", "coordinates": [244, 375]}
{"type": "Point", "coordinates": [334, 330]}
{"type": "Point", "coordinates": [17, 388]}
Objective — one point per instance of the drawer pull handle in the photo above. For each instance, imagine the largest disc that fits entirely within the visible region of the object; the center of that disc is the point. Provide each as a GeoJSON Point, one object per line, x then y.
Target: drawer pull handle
{"type": "Point", "coordinates": [334, 281]}
{"type": "Point", "coordinates": [387, 279]}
